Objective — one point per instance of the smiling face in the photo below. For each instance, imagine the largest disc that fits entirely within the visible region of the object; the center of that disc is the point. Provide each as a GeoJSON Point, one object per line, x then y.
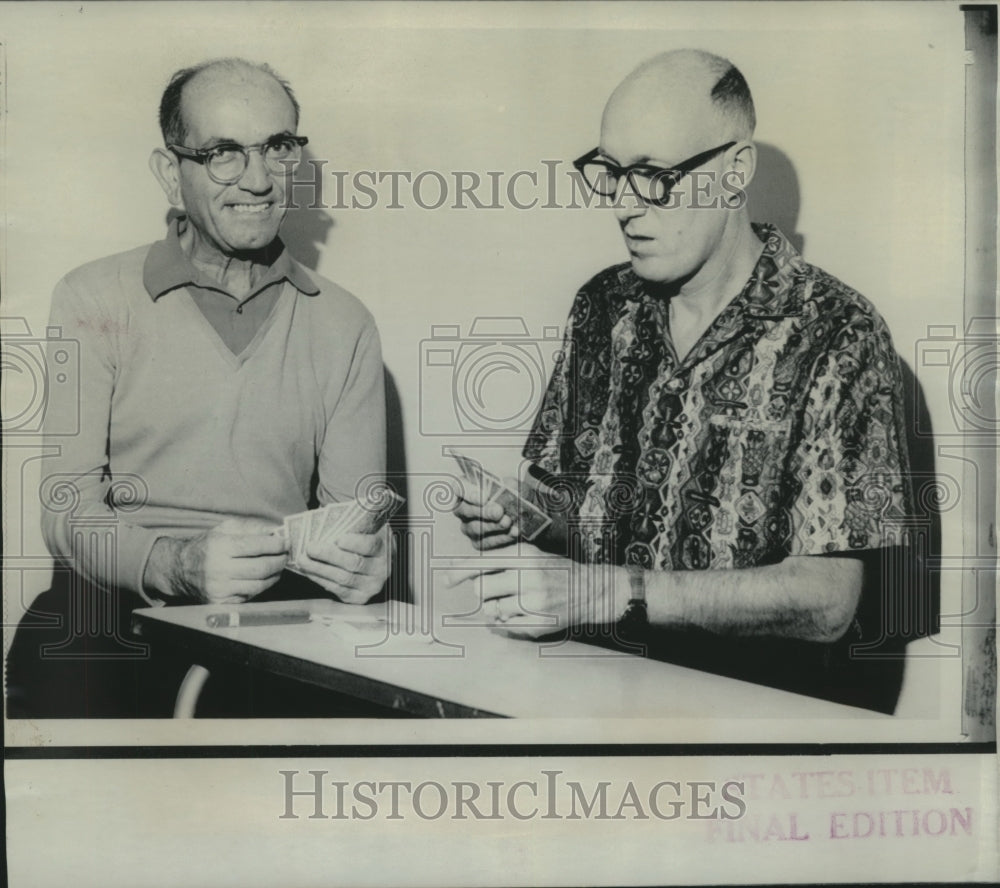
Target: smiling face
{"type": "Point", "coordinates": [245, 106]}
{"type": "Point", "coordinates": [662, 118]}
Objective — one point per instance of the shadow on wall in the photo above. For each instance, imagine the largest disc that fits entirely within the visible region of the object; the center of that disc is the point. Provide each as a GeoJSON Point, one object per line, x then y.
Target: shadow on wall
{"type": "Point", "coordinates": [307, 227]}
{"type": "Point", "coordinates": [774, 194]}
{"type": "Point", "coordinates": [930, 498]}
{"type": "Point", "coordinates": [305, 231]}
{"type": "Point", "coordinates": [401, 583]}
{"type": "Point", "coordinates": [901, 596]}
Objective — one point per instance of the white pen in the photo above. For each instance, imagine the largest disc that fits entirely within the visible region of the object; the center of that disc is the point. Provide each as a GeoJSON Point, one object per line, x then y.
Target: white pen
{"type": "Point", "coordinates": [234, 619]}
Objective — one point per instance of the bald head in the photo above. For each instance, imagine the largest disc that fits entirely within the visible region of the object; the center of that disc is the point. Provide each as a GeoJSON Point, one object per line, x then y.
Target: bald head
{"type": "Point", "coordinates": [689, 112]}
{"type": "Point", "coordinates": [232, 74]}
{"type": "Point", "coordinates": [686, 91]}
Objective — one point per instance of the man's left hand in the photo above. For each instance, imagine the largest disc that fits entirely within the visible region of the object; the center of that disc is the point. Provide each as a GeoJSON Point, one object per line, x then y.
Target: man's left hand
{"type": "Point", "coordinates": [535, 602]}
{"type": "Point", "coordinates": [354, 568]}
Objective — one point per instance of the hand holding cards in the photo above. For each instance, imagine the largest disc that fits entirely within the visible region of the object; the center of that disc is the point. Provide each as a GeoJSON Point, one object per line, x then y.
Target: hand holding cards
{"type": "Point", "coordinates": [522, 514]}
{"type": "Point", "coordinates": [340, 547]}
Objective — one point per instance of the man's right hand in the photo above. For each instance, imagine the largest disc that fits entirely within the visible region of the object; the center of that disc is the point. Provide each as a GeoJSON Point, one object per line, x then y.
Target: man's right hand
{"type": "Point", "coordinates": [486, 524]}
{"type": "Point", "coordinates": [231, 563]}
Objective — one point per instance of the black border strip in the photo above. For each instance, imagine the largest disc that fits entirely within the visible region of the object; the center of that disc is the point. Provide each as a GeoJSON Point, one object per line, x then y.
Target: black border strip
{"type": "Point", "coordinates": [358, 751]}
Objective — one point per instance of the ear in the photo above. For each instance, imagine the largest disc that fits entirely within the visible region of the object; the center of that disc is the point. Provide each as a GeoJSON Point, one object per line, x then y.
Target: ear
{"type": "Point", "coordinates": [744, 164]}
{"type": "Point", "coordinates": [165, 167]}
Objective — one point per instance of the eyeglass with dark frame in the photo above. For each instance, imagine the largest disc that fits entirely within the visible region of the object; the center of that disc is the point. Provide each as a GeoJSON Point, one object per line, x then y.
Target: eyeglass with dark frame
{"type": "Point", "coordinates": [226, 162]}
{"type": "Point", "coordinates": [652, 184]}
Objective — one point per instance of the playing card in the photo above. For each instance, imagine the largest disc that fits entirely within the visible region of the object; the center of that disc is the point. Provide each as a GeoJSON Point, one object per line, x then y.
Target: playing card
{"type": "Point", "coordinates": [326, 522]}
{"type": "Point", "coordinates": [461, 459]}
{"type": "Point", "coordinates": [490, 484]}
{"type": "Point", "coordinates": [332, 521]}
{"type": "Point", "coordinates": [295, 527]}
{"type": "Point", "coordinates": [530, 520]}
{"type": "Point", "coordinates": [345, 521]}
{"type": "Point", "coordinates": [374, 513]}
{"type": "Point", "coordinates": [307, 527]}
{"type": "Point", "coordinates": [474, 472]}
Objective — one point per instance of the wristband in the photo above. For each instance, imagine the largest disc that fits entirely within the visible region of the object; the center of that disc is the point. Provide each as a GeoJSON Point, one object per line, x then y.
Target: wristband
{"type": "Point", "coordinates": [634, 622]}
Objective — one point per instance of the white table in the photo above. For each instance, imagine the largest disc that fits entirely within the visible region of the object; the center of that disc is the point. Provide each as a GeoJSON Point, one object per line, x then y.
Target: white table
{"type": "Point", "coordinates": [462, 669]}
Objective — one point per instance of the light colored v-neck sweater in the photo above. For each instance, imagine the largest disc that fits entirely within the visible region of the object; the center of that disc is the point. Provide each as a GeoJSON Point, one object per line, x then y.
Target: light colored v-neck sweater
{"type": "Point", "coordinates": [177, 433]}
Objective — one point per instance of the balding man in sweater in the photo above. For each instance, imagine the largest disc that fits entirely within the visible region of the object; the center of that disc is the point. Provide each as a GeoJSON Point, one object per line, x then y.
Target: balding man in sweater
{"type": "Point", "coordinates": [222, 387]}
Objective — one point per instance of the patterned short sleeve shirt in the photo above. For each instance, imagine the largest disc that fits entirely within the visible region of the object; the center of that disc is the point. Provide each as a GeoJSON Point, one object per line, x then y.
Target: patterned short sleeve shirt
{"type": "Point", "coordinates": [780, 433]}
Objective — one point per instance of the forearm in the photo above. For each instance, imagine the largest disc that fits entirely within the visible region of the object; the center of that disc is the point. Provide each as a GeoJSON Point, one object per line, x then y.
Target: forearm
{"type": "Point", "coordinates": [233, 562]}
{"type": "Point", "coordinates": [808, 598]}
{"type": "Point", "coordinates": [165, 576]}
{"type": "Point", "coordinates": [805, 598]}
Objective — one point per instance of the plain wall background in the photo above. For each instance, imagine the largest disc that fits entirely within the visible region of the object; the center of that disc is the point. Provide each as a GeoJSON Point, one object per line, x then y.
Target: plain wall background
{"type": "Point", "coordinates": [860, 114]}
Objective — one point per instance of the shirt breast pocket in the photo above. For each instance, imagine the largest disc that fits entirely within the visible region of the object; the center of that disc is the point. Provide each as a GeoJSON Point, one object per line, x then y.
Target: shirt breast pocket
{"type": "Point", "coordinates": [757, 450]}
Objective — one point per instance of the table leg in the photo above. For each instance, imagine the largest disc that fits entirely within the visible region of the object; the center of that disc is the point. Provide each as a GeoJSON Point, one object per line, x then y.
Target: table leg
{"type": "Point", "coordinates": [189, 691]}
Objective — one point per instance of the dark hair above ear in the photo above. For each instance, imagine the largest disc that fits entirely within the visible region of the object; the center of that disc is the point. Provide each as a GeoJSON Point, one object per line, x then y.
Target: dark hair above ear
{"type": "Point", "coordinates": [171, 116]}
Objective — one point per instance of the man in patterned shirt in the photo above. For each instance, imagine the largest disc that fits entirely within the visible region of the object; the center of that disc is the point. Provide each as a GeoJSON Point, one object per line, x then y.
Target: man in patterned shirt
{"type": "Point", "coordinates": [723, 429]}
